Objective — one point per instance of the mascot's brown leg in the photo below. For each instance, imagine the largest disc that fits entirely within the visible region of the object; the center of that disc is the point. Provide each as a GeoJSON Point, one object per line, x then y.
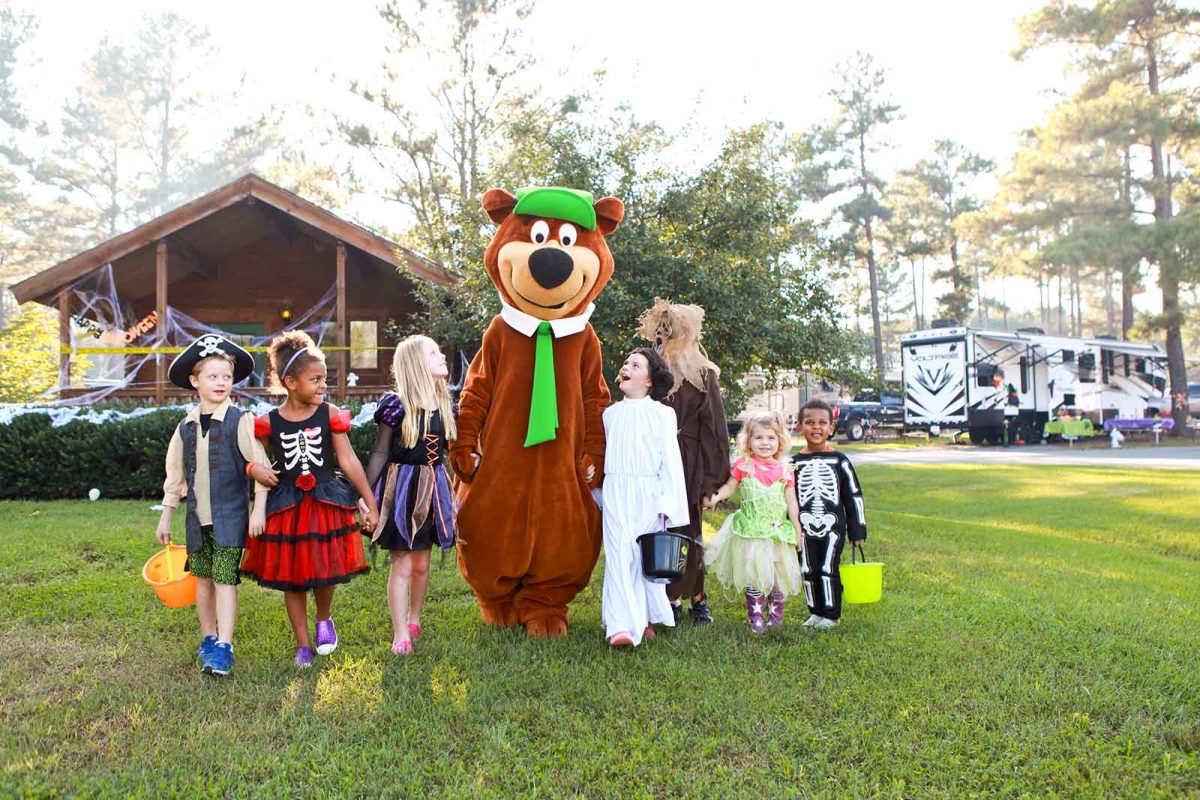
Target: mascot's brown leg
{"type": "Point", "coordinates": [500, 615]}
{"type": "Point", "coordinates": [548, 627]}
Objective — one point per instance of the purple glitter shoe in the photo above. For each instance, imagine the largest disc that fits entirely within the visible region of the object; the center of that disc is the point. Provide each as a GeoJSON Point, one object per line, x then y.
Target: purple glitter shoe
{"type": "Point", "coordinates": [754, 612]}
{"type": "Point", "coordinates": [327, 640]}
{"type": "Point", "coordinates": [775, 602]}
{"type": "Point", "coordinates": [304, 657]}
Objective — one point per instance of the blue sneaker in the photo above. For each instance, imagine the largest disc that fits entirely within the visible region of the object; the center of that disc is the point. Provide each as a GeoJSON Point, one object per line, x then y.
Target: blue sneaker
{"type": "Point", "coordinates": [206, 646]}
{"type": "Point", "coordinates": [220, 659]}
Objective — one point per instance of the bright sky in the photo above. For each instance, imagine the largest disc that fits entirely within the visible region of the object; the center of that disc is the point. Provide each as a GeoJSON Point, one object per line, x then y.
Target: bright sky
{"type": "Point", "coordinates": [701, 66]}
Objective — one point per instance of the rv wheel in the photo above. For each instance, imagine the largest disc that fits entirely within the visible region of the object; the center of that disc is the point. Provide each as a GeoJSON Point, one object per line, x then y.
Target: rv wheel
{"type": "Point", "coordinates": [855, 431]}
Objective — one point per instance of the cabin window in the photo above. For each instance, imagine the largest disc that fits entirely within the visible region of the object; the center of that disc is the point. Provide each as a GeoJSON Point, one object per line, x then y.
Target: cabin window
{"type": "Point", "coordinates": [1068, 356]}
{"type": "Point", "coordinates": [364, 338]}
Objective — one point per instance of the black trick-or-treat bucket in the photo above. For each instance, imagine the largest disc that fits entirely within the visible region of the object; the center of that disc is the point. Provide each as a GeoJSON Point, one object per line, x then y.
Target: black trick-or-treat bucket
{"type": "Point", "coordinates": [664, 555]}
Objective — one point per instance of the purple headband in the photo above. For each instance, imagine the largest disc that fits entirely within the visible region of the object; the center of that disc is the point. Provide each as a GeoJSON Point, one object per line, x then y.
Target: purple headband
{"type": "Point", "coordinates": [295, 355]}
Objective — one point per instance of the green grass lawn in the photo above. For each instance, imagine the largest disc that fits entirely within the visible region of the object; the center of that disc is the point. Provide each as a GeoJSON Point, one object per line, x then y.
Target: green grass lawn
{"type": "Point", "coordinates": [1038, 637]}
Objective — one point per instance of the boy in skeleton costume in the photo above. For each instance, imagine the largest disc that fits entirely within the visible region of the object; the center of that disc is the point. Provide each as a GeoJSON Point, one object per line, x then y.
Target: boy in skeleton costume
{"type": "Point", "coordinates": [831, 508]}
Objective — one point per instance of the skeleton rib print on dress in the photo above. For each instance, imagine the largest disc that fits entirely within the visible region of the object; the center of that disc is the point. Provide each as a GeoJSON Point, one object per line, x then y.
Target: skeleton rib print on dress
{"type": "Point", "coordinates": [303, 447]}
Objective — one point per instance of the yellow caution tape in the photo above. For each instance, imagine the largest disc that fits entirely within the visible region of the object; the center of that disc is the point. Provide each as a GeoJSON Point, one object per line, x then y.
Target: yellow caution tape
{"type": "Point", "coordinates": [171, 350]}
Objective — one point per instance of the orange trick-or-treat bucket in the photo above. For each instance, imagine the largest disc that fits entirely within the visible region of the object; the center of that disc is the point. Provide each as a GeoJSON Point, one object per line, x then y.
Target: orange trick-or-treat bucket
{"type": "Point", "coordinates": [166, 575]}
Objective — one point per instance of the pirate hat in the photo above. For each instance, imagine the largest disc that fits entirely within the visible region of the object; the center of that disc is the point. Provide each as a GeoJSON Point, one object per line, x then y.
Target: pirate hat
{"type": "Point", "coordinates": [208, 345]}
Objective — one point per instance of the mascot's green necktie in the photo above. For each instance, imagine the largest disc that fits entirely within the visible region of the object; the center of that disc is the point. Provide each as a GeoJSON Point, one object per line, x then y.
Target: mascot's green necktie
{"type": "Point", "coordinates": [543, 406]}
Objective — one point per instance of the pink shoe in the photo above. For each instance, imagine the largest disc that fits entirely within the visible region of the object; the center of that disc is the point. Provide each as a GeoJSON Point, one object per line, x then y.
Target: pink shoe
{"type": "Point", "coordinates": [621, 639]}
{"type": "Point", "coordinates": [649, 633]}
{"type": "Point", "coordinates": [402, 648]}
{"type": "Point", "coordinates": [414, 630]}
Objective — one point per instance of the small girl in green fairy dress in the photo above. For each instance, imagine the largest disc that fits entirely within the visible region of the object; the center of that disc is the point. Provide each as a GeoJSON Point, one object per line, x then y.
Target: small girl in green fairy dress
{"type": "Point", "coordinates": [755, 548]}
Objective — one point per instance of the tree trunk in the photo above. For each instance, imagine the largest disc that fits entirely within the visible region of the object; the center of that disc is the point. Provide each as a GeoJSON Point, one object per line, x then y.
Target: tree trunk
{"type": "Point", "coordinates": [874, 282]}
{"type": "Point", "coordinates": [1168, 267]}
{"type": "Point", "coordinates": [916, 307]}
{"type": "Point", "coordinates": [1127, 289]}
{"type": "Point", "coordinates": [924, 318]}
{"type": "Point", "coordinates": [1110, 319]}
{"type": "Point", "coordinates": [1044, 300]}
{"type": "Point", "coordinates": [980, 307]}
{"type": "Point", "coordinates": [1060, 305]}
{"type": "Point", "coordinates": [1004, 297]}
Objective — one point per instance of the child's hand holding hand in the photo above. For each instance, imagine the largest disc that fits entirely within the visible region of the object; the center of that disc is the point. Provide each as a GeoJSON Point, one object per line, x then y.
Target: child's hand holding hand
{"type": "Point", "coordinates": [710, 503]}
{"type": "Point", "coordinates": [369, 515]}
{"type": "Point", "coordinates": [267, 477]}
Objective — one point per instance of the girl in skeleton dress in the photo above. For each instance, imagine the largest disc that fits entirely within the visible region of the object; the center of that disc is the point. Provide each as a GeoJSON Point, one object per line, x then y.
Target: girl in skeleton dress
{"type": "Point", "coordinates": [411, 486]}
{"type": "Point", "coordinates": [755, 548]}
{"type": "Point", "coordinates": [644, 491]}
{"type": "Point", "coordinates": [311, 539]}
{"type": "Point", "coordinates": [831, 508]}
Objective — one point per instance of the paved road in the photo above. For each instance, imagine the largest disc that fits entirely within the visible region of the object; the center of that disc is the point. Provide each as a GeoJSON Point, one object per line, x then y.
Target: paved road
{"type": "Point", "coordinates": [1161, 457]}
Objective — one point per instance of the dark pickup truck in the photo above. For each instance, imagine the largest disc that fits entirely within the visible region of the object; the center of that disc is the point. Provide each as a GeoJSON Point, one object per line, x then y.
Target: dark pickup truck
{"type": "Point", "coordinates": [851, 419]}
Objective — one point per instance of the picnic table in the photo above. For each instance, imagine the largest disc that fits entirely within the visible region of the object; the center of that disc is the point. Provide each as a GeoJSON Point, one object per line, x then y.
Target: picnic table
{"type": "Point", "coordinates": [1147, 424]}
{"type": "Point", "coordinates": [1155, 425]}
{"type": "Point", "coordinates": [1069, 429]}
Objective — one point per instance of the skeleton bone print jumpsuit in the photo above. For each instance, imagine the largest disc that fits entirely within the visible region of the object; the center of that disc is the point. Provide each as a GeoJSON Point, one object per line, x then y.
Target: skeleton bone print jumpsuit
{"type": "Point", "coordinates": [831, 507]}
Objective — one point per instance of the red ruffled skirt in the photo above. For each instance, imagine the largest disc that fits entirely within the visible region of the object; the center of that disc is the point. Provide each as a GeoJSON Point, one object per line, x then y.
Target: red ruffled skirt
{"type": "Point", "coordinates": [306, 546]}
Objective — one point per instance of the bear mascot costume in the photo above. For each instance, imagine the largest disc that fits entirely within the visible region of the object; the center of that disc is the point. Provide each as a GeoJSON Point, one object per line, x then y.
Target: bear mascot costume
{"type": "Point", "coordinates": [530, 443]}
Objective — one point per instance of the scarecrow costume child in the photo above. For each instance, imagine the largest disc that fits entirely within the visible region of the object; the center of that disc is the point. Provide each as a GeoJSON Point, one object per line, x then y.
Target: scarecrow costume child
{"type": "Point", "coordinates": [210, 454]}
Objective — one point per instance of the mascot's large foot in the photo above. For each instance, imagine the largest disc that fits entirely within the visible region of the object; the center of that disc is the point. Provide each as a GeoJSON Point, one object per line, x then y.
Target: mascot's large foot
{"type": "Point", "coordinates": [546, 628]}
{"type": "Point", "coordinates": [500, 615]}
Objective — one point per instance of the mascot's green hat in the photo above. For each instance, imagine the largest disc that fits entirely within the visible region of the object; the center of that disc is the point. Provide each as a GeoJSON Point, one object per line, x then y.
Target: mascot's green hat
{"type": "Point", "coordinates": [573, 205]}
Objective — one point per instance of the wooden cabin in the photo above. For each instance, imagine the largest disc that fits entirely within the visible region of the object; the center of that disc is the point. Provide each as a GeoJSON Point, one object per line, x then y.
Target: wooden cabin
{"type": "Point", "coordinates": [249, 258]}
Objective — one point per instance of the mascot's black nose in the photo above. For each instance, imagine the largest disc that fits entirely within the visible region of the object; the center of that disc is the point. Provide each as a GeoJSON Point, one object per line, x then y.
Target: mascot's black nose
{"type": "Point", "coordinates": [550, 267]}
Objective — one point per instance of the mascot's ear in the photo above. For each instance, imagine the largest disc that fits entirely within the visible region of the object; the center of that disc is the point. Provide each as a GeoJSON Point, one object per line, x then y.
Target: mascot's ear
{"type": "Point", "coordinates": [498, 204]}
{"type": "Point", "coordinates": [609, 213]}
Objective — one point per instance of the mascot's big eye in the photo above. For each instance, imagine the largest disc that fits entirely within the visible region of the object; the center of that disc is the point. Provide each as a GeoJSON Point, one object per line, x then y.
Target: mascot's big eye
{"type": "Point", "coordinates": [567, 235]}
{"type": "Point", "coordinates": [540, 232]}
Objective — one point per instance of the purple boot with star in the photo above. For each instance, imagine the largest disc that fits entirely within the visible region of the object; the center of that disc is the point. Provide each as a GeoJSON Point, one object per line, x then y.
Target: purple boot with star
{"type": "Point", "coordinates": [754, 611]}
{"type": "Point", "coordinates": [775, 602]}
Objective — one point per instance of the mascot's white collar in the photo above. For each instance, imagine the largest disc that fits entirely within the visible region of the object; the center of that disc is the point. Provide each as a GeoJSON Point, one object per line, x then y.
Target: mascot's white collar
{"type": "Point", "coordinates": [527, 325]}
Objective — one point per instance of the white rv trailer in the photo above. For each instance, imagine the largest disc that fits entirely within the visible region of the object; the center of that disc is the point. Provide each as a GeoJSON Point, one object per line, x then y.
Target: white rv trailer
{"type": "Point", "coordinates": [970, 379]}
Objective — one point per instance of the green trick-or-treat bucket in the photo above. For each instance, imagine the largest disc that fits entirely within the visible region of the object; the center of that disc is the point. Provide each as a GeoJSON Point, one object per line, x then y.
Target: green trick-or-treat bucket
{"type": "Point", "coordinates": [664, 555]}
{"type": "Point", "coordinates": [862, 581]}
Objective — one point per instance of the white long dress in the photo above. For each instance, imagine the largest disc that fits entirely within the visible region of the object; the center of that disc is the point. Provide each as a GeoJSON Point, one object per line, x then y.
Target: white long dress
{"type": "Point", "coordinates": [643, 477]}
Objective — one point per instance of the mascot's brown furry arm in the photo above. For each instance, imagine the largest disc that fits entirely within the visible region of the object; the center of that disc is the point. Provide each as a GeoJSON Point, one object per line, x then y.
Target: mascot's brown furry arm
{"type": "Point", "coordinates": [530, 440]}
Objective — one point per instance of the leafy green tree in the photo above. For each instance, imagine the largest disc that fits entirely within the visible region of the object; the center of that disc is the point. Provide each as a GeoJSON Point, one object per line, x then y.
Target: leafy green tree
{"type": "Point", "coordinates": [1137, 60]}
{"type": "Point", "coordinates": [15, 30]}
{"type": "Point", "coordinates": [842, 168]}
{"type": "Point", "coordinates": [437, 147]}
{"type": "Point", "coordinates": [29, 356]}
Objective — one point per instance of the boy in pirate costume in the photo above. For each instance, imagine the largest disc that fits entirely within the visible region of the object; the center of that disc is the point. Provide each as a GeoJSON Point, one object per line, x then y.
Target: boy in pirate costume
{"type": "Point", "coordinates": [675, 330]}
{"type": "Point", "coordinates": [211, 452]}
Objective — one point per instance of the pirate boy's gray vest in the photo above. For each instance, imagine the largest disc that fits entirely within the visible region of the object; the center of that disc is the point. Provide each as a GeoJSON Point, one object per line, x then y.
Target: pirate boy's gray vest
{"type": "Point", "coordinates": [226, 482]}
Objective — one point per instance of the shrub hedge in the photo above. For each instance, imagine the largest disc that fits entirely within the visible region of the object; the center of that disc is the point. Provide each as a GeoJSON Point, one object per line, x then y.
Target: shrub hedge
{"type": "Point", "coordinates": [122, 459]}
